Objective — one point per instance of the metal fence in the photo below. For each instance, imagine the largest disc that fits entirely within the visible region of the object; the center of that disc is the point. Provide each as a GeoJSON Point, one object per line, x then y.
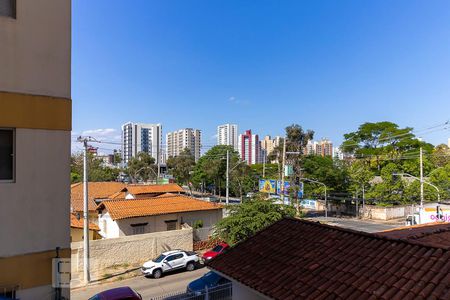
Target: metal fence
{"type": "Point", "coordinates": [221, 292]}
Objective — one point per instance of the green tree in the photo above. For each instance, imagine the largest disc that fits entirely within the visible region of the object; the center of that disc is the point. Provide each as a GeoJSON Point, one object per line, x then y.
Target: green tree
{"type": "Point", "coordinates": [360, 176]}
{"type": "Point", "coordinates": [377, 141]}
{"type": "Point", "coordinates": [441, 155]}
{"type": "Point", "coordinates": [390, 189]}
{"type": "Point", "coordinates": [246, 219]}
{"type": "Point", "coordinates": [181, 167]}
{"type": "Point", "coordinates": [141, 167]}
{"type": "Point", "coordinates": [97, 171]}
{"type": "Point", "coordinates": [271, 170]}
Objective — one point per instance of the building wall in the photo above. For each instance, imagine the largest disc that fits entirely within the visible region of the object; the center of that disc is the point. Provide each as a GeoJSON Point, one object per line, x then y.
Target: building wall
{"type": "Point", "coordinates": [123, 227]}
{"type": "Point", "coordinates": [35, 101]}
{"type": "Point", "coordinates": [227, 134]}
{"type": "Point", "coordinates": [242, 292]}
{"type": "Point", "coordinates": [182, 139]}
{"type": "Point", "coordinates": [138, 137]}
{"type": "Point", "coordinates": [76, 234]}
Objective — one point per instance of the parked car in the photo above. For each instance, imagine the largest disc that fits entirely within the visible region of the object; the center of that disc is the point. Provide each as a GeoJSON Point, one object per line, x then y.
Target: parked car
{"type": "Point", "coordinates": [170, 261]}
{"type": "Point", "coordinates": [218, 249]}
{"type": "Point", "coordinates": [121, 293]}
{"type": "Point", "coordinates": [216, 284]}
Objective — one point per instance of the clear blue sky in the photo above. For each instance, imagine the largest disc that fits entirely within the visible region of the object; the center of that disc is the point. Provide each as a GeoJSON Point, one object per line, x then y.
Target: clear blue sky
{"type": "Point", "coordinates": [326, 65]}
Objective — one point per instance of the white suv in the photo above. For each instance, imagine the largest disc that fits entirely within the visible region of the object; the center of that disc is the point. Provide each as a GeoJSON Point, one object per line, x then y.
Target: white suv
{"type": "Point", "coordinates": [170, 261]}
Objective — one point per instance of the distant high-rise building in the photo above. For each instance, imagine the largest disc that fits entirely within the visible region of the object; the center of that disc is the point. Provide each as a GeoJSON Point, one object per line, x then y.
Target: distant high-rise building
{"type": "Point", "coordinates": [269, 144]}
{"type": "Point", "coordinates": [179, 140]}
{"type": "Point", "coordinates": [227, 134]}
{"type": "Point", "coordinates": [138, 137]}
{"type": "Point", "coordinates": [337, 153]}
{"type": "Point", "coordinates": [250, 147]}
{"type": "Point", "coordinates": [310, 148]}
{"type": "Point", "coordinates": [324, 148]}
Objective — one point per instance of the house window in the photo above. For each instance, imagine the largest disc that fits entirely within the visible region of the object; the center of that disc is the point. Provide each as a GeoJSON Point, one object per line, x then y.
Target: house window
{"type": "Point", "coordinates": [8, 8]}
{"type": "Point", "coordinates": [6, 155]}
{"type": "Point", "coordinates": [171, 225]}
{"type": "Point", "coordinates": [139, 228]}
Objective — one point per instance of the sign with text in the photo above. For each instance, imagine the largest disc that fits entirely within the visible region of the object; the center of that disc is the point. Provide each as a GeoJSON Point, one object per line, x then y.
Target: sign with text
{"type": "Point", "coordinates": [267, 186]}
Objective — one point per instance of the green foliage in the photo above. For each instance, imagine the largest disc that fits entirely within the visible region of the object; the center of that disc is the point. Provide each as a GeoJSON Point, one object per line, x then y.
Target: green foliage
{"type": "Point", "coordinates": [246, 219]}
{"type": "Point", "coordinates": [141, 167]}
{"type": "Point", "coordinates": [271, 170]}
{"type": "Point", "coordinates": [197, 224]}
{"type": "Point", "coordinates": [182, 166]}
{"type": "Point", "coordinates": [97, 171]}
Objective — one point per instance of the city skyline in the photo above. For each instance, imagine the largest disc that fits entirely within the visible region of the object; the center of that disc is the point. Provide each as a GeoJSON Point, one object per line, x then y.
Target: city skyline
{"type": "Point", "coordinates": [272, 65]}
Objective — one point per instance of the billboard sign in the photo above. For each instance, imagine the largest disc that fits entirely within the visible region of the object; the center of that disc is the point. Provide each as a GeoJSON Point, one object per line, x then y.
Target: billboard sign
{"type": "Point", "coordinates": [267, 186]}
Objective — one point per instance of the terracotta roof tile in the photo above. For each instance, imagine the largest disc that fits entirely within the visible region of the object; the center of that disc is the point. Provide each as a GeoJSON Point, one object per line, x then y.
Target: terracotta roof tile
{"type": "Point", "coordinates": [96, 190]}
{"type": "Point", "coordinates": [122, 209]}
{"type": "Point", "coordinates": [137, 189]}
{"type": "Point", "coordinates": [79, 223]}
{"type": "Point", "coordinates": [354, 265]}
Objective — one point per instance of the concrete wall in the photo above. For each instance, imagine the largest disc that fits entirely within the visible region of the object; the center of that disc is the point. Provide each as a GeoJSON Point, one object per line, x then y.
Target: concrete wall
{"type": "Point", "coordinates": [35, 48]}
{"type": "Point", "coordinates": [34, 210]}
{"type": "Point", "coordinates": [387, 213]}
{"type": "Point", "coordinates": [111, 255]}
{"type": "Point", "coordinates": [76, 234]}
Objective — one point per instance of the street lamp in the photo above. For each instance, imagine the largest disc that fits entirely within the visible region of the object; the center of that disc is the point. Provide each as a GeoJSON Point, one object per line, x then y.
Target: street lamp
{"type": "Point", "coordinates": [227, 197]}
{"type": "Point", "coordinates": [421, 198]}
{"type": "Point", "coordinates": [321, 183]}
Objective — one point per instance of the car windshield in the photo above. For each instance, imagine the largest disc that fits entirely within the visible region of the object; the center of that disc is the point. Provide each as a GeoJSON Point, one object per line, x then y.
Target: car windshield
{"type": "Point", "coordinates": [159, 258]}
{"type": "Point", "coordinates": [217, 248]}
{"type": "Point", "coordinates": [211, 277]}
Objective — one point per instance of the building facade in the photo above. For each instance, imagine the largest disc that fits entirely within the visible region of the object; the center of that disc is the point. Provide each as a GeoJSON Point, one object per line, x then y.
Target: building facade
{"type": "Point", "coordinates": [227, 134]}
{"type": "Point", "coordinates": [250, 148]}
{"type": "Point", "coordinates": [324, 148]}
{"type": "Point", "coordinates": [35, 135]}
{"type": "Point", "coordinates": [139, 137]}
{"type": "Point", "coordinates": [182, 139]}
{"type": "Point", "coordinates": [268, 144]}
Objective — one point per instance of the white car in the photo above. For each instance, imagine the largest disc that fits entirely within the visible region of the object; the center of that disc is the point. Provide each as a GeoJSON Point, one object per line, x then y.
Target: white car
{"type": "Point", "coordinates": [170, 261]}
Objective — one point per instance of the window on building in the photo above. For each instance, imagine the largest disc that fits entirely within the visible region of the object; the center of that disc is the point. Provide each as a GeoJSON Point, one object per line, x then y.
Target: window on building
{"type": "Point", "coordinates": [139, 228]}
{"type": "Point", "coordinates": [6, 154]}
{"type": "Point", "coordinates": [171, 225]}
{"type": "Point", "coordinates": [8, 8]}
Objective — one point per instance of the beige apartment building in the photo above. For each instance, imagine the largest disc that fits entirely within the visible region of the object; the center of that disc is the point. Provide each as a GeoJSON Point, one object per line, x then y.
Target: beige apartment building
{"type": "Point", "coordinates": [187, 138]}
{"type": "Point", "coordinates": [35, 125]}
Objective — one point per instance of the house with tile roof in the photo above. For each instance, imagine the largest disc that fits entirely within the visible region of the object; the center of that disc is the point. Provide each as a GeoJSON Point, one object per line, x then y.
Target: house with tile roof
{"type": "Point", "coordinates": [298, 259]}
{"type": "Point", "coordinates": [99, 191]}
{"type": "Point", "coordinates": [123, 217]}
{"type": "Point", "coordinates": [76, 229]}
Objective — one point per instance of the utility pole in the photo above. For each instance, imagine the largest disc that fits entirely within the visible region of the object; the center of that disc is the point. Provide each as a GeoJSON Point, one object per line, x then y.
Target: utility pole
{"type": "Point", "coordinates": [421, 186]}
{"type": "Point", "coordinates": [264, 166]}
{"type": "Point", "coordinates": [282, 169]}
{"type": "Point", "coordinates": [228, 178]}
{"type": "Point", "coordinates": [87, 277]}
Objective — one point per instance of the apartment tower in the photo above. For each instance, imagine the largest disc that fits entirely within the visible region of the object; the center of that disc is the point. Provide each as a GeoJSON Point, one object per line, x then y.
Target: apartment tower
{"type": "Point", "coordinates": [250, 148]}
{"type": "Point", "coordinates": [139, 137]}
{"type": "Point", "coordinates": [35, 126]}
{"type": "Point", "coordinates": [227, 134]}
{"type": "Point", "coordinates": [182, 139]}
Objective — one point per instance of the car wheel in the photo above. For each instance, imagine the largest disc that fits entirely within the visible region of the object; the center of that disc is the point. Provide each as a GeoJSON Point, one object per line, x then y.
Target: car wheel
{"type": "Point", "coordinates": [190, 266]}
{"type": "Point", "coordinates": [157, 274]}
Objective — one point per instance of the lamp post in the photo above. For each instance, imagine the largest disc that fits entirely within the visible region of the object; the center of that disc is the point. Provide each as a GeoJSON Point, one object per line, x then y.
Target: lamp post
{"type": "Point", "coordinates": [321, 183]}
{"type": "Point", "coordinates": [227, 185]}
{"type": "Point", "coordinates": [422, 181]}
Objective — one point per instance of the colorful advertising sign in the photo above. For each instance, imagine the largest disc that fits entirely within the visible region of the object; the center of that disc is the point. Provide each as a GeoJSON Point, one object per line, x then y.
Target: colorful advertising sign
{"type": "Point", "coordinates": [267, 186]}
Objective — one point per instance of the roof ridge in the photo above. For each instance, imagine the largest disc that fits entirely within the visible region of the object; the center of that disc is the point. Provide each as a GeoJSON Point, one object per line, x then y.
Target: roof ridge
{"type": "Point", "coordinates": [362, 233]}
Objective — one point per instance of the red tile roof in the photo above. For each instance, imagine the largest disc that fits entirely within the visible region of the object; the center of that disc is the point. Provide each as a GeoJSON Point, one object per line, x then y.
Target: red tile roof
{"type": "Point", "coordinates": [122, 209]}
{"type": "Point", "coordinates": [298, 259]}
{"type": "Point", "coordinates": [114, 190]}
{"type": "Point", "coordinates": [79, 223]}
{"type": "Point", "coordinates": [432, 234]}
{"type": "Point", "coordinates": [137, 189]}
{"type": "Point", "coordinates": [96, 190]}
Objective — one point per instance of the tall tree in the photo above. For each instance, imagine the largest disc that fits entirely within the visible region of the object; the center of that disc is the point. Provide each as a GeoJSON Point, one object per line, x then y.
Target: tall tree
{"type": "Point", "coordinates": [97, 171]}
{"type": "Point", "coordinates": [141, 167]}
{"type": "Point", "coordinates": [181, 167]}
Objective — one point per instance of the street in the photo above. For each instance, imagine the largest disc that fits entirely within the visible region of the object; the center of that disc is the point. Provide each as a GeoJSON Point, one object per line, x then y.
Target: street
{"type": "Point", "coordinates": [355, 224]}
{"type": "Point", "coordinates": [147, 287]}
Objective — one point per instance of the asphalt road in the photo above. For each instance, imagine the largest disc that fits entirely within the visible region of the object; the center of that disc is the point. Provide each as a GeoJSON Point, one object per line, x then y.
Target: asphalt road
{"type": "Point", "coordinates": [355, 224]}
{"type": "Point", "coordinates": [147, 287]}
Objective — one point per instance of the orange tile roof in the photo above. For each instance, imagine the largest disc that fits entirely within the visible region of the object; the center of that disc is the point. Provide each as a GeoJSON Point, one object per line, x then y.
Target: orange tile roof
{"type": "Point", "coordinates": [137, 189]}
{"type": "Point", "coordinates": [79, 223]}
{"type": "Point", "coordinates": [96, 190]}
{"type": "Point", "coordinates": [122, 209]}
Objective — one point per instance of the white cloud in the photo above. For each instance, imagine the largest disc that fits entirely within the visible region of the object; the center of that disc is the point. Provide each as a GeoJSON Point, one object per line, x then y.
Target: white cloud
{"type": "Point", "coordinates": [237, 101]}
{"type": "Point", "coordinates": [110, 137]}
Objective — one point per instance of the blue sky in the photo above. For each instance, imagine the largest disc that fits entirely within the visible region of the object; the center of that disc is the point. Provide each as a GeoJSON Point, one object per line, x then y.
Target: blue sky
{"type": "Point", "coordinates": [326, 65]}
